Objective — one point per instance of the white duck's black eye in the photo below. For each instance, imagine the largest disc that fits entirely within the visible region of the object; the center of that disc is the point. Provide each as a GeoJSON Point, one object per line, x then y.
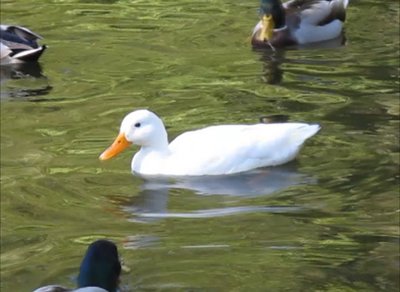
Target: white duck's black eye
{"type": "Point", "coordinates": [137, 125]}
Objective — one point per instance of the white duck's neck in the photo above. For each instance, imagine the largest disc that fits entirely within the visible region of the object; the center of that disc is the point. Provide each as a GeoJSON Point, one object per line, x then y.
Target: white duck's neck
{"type": "Point", "coordinates": [151, 157]}
{"type": "Point", "coordinates": [160, 148]}
{"type": "Point", "coordinates": [158, 143]}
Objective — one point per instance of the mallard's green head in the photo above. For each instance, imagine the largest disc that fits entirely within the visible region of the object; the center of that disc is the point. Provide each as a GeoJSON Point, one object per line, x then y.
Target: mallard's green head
{"type": "Point", "coordinates": [272, 16]}
{"type": "Point", "coordinates": [275, 9]}
{"type": "Point", "coordinates": [100, 267]}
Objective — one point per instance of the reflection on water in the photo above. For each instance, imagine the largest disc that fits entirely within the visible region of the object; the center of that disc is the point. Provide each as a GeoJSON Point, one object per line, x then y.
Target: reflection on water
{"type": "Point", "coordinates": [258, 182]}
{"type": "Point", "coordinates": [330, 225]}
{"type": "Point", "coordinates": [218, 212]}
{"type": "Point", "coordinates": [23, 81]}
{"type": "Point", "coordinates": [20, 71]}
{"type": "Point", "coordinates": [140, 241]}
{"type": "Point", "coordinates": [273, 59]}
{"type": "Point", "coordinates": [152, 201]}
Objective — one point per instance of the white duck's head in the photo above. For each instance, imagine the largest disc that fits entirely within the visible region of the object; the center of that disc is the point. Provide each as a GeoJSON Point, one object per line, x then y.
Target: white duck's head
{"type": "Point", "coordinates": [141, 127]}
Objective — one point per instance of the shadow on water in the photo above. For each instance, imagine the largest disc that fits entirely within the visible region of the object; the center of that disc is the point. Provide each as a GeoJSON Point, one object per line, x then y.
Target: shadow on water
{"type": "Point", "coordinates": [274, 58]}
{"type": "Point", "coordinates": [152, 201]}
{"type": "Point", "coordinates": [30, 79]}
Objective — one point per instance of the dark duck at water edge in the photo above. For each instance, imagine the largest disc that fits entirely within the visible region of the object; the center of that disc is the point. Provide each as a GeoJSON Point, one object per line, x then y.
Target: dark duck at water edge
{"type": "Point", "coordinates": [298, 22]}
{"type": "Point", "coordinates": [99, 271]}
{"type": "Point", "coordinates": [19, 45]}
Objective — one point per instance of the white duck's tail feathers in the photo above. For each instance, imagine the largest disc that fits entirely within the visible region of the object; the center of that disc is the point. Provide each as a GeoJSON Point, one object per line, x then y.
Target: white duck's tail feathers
{"type": "Point", "coordinates": [303, 132]}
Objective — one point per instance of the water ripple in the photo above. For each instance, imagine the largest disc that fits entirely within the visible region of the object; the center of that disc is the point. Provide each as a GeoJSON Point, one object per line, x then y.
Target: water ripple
{"type": "Point", "coordinates": [218, 212]}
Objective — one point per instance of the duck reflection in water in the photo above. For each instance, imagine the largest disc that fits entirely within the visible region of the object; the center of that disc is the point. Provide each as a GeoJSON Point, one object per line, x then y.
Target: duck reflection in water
{"type": "Point", "coordinates": [272, 61]}
{"type": "Point", "coordinates": [29, 81]}
{"type": "Point", "coordinates": [273, 58]}
{"type": "Point", "coordinates": [152, 202]}
{"type": "Point", "coordinates": [21, 70]}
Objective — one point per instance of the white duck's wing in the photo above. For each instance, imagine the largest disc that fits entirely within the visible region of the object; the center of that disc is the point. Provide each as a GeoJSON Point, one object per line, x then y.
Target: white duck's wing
{"type": "Point", "coordinates": [235, 148]}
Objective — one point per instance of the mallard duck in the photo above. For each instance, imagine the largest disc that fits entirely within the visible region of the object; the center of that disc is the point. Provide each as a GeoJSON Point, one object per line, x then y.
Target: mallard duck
{"type": "Point", "coordinates": [214, 150]}
{"type": "Point", "coordinates": [298, 22]}
{"type": "Point", "coordinates": [19, 44]}
{"type": "Point", "coordinates": [99, 271]}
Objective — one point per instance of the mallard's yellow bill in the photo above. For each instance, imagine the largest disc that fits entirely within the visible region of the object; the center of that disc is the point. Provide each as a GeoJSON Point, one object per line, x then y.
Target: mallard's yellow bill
{"type": "Point", "coordinates": [267, 27]}
{"type": "Point", "coordinates": [120, 143]}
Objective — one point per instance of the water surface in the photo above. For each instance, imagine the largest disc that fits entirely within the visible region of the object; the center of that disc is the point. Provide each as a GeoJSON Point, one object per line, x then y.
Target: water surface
{"type": "Point", "coordinates": [327, 222]}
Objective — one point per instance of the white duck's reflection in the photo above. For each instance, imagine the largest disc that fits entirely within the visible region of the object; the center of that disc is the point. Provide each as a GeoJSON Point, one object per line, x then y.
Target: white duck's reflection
{"type": "Point", "coordinates": [152, 202]}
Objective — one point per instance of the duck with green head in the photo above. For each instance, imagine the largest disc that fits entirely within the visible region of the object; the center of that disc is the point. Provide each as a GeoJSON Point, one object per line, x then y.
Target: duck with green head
{"type": "Point", "coordinates": [298, 22]}
{"type": "Point", "coordinates": [99, 271]}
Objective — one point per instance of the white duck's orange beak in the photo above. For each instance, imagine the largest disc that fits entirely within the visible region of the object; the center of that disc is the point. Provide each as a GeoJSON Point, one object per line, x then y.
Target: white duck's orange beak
{"type": "Point", "coordinates": [120, 143]}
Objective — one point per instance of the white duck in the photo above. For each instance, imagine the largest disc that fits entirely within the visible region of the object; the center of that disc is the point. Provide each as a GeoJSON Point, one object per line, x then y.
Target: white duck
{"type": "Point", "coordinates": [214, 150]}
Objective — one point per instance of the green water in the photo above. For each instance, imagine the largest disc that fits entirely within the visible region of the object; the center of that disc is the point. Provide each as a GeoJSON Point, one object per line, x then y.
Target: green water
{"type": "Point", "coordinates": [327, 222]}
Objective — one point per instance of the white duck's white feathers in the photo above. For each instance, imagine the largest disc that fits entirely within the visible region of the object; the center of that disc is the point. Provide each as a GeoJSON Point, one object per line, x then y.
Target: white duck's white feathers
{"type": "Point", "coordinates": [215, 150]}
